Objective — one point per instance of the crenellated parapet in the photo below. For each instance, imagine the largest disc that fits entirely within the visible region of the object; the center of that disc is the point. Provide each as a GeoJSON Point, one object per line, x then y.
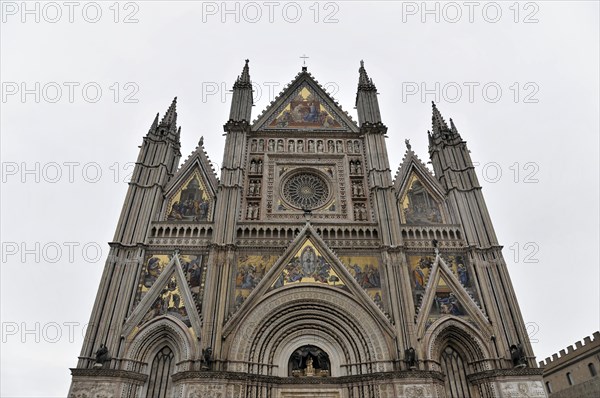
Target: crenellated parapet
{"type": "Point", "coordinates": [589, 345]}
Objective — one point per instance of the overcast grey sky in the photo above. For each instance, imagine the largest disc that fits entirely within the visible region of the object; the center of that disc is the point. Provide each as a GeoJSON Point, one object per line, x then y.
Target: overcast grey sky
{"type": "Point", "coordinates": [81, 85]}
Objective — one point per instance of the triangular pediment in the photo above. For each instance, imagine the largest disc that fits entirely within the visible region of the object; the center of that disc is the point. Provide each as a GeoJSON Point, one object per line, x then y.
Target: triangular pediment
{"type": "Point", "coordinates": [445, 293]}
{"type": "Point", "coordinates": [308, 265]}
{"type": "Point", "coordinates": [413, 166]}
{"type": "Point", "coordinates": [420, 196]}
{"type": "Point", "coordinates": [165, 291]}
{"type": "Point", "coordinates": [304, 105]}
{"type": "Point", "coordinates": [308, 261]}
{"type": "Point", "coordinates": [191, 193]}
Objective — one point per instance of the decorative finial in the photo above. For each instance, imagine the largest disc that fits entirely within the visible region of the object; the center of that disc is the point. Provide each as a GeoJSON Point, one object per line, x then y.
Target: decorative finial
{"type": "Point", "coordinates": [201, 142]}
{"type": "Point", "coordinates": [435, 246]}
{"type": "Point", "coordinates": [407, 143]}
{"type": "Point", "coordinates": [362, 63]}
{"type": "Point", "coordinates": [247, 60]}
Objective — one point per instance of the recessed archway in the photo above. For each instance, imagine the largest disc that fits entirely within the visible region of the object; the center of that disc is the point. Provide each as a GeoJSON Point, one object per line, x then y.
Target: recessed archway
{"type": "Point", "coordinates": [328, 318]}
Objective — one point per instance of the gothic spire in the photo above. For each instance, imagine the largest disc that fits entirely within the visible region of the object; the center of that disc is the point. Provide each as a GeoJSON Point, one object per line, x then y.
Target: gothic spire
{"type": "Point", "coordinates": [242, 99]}
{"type": "Point", "coordinates": [244, 78]}
{"type": "Point", "coordinates": [169, 120]}
{"type": "Point", "coordinates": [366, 98]}
{"type": "Point", "coordinates": [364, 82]}
{"type": "Point", "coordinates": [437, 121]}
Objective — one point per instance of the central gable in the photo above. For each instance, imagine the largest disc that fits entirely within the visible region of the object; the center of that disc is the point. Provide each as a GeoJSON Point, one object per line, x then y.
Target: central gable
{"type": "Point", "coordinates": [304, 105]}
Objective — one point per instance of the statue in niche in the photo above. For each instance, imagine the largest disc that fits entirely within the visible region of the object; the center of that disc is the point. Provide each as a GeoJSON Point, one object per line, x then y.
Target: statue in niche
{"type": "Point", "coordinates": [357, 189]}
{"type": "Point", "coordinates": [253, 146]}
{"type": "Point", "coordinates": [319, 146]}
{"type": "Point", "coordinates": [280, 146]}
{"type": "Point", "coordinates": [330, 148]}
{"type": "Point", "coordinates": [410, 357]}
{"type": "Point", "coordinates": [206, 358]}
{"type": "Point", "coordinates": [261, 145]}
{"type": "Point", "coordinates": [311, 146]}
{"type": "Point", "coordinates": [252, 212]}
{"type": "Point", "coordinates": [271, 145]}
{"type": "Point", "coordinates": [349, 146]}
{"type": "Point", "coordinates": [309, 361]}
{"type": "Point", "coordinates": [300, 146]}
{"type": "Point", "coordinates": [291, 146]}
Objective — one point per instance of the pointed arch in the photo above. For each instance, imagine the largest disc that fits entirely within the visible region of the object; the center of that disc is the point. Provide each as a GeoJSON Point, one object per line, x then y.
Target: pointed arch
{"type": "Point", "coordinates": [463, 337]}
{"type": "Point", "coordinates": [165, 346]}
{"type": "Point", "coordinates": [458, 350]}
{"type": "Point", "coordinates": [161, 369]}
{"type": "Point", "coordinates": [162, 331]}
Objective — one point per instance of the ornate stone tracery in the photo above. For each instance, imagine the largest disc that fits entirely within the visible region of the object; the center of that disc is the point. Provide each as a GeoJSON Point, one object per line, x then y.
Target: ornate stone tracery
{"type": "Point", "coordinates": [306, 190]}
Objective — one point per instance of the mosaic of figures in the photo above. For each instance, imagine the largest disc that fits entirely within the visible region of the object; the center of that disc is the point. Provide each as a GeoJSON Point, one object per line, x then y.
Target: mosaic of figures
{"type": "Point", "coordinates": [191, 202]}
{"type": "Point", "coordinates": [170, 298]}
{"type": "Point", "coordinates": [305, 111]}
{"type": "Point", "coordinates": [445, 301]}
{"type": "Point", "coordinates": [418, 205]}
{"type": "Point", "coordinates": [169, 302]}
{"type": "Point", "coordinates": [365, 270]}
{"type": "Point", "coordinates": [250, 271]}
{"type": "Point", "coordinates": [307, 145]}
{"type": "Point", "coordinates": [308, 265]}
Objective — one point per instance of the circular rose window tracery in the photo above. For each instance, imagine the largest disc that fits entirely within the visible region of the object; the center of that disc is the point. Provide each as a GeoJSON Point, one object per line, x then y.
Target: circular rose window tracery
{"type": "Point", "coordinates": [306, 191]}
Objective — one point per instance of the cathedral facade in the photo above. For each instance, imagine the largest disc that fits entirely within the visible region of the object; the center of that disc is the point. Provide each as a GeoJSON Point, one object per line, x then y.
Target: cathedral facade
{"type": "Point", "coordinates": [306, 269]}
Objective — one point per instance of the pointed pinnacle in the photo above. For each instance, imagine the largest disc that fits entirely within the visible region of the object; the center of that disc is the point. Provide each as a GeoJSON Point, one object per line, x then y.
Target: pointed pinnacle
{"type": "Point", "coordinates": [246, 73]}
{"type": "Point", "coordinates": [243, 80]}
{"type": "Point", "coordinates": [364, 82]}
{"type": "Point", "coordinates": [437, 121]}
{"type": "Point", "coordinates": [154, 124]}
{"type": "Point", "coordinates": [171, 115]}
{"type": "Point", "coordinates": [453, 127]}
{"type": "Point", "coordinates": [363, 77]}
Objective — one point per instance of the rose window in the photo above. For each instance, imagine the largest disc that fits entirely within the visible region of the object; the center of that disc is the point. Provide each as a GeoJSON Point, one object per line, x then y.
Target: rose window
{"type": "Point", "coordinates": [306, 191]}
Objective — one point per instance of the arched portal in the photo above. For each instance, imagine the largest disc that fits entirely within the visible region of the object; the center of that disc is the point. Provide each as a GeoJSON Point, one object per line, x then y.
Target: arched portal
{"type": "Point", "coordinates": [459, 350]}
{"type": "Point", "coordinates": [332, 321]}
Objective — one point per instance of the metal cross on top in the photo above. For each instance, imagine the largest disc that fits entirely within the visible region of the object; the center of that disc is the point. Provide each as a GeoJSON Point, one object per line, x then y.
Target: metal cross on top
{"type": "Point", "coordinates": [304, 58]}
